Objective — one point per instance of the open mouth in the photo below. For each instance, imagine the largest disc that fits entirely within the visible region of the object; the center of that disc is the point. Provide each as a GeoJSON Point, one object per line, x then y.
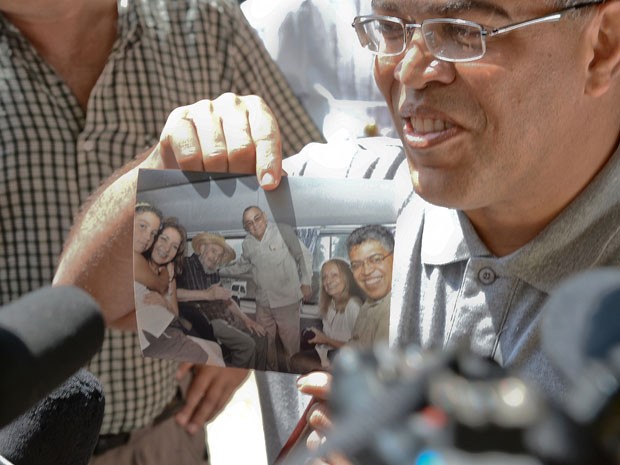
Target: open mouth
{"type": "Point", "coordinates": [373, 282]}
{"type": "Point", "coordinates": [429, 125]}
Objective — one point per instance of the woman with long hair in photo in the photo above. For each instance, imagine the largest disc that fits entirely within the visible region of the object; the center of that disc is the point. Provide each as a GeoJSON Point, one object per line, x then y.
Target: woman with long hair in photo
{"type": "Point", "coordinates": [340, 300]}
{"type": "Point", "coordinates": [162, 333]}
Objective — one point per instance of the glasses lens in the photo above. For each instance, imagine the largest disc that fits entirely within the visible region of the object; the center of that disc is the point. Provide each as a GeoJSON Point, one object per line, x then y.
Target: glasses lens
{"type": "Point", "coordinates": [381, 36]}
{"type": "Point", "coordinates": [453, 40]}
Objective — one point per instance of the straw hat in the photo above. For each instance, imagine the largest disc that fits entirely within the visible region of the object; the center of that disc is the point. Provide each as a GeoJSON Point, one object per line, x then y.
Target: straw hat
{"type": "Point", "coordinates": [208, 238]}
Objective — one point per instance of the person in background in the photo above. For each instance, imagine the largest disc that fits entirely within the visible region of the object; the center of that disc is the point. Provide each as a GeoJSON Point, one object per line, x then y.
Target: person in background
{"type": "Point", "coordinates": [340, 300]}
{"type": "Point", "coordinates": [87, 86]}
{"type": "Point", "coordinates": [202, 298]}
{"type": "Point", "coordinates": [281, 267]}
{"type": "Point", "coordinates": [313, 43]}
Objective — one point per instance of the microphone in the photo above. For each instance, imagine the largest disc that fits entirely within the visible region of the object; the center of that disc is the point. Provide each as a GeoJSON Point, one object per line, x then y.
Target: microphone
{"type": "Point", "coordinates": [581, 336]}
{"type": "Point", "coordinates": [581, 321]}
{"type": "Point", "coordinates": [45, 337]}
{"type": "Point", "coordinates": [61, 429]}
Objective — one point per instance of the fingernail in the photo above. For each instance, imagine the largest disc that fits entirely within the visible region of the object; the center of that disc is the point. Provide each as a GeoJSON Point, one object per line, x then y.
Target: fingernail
{"type": "Point", "coordinates": [267, 180]}
{"type": "Point", "coordinates": [187, 148]}
{"type": "Point", "coordinates": [301, 381]}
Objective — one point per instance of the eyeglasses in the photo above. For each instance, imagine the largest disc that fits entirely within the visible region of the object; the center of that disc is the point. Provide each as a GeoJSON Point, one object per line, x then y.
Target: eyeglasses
{"type": "Point", "coordinates": [373, 260]}
{"type": "Point", "coordinates": [253, 222]}
{"type": "Point", "coordinates": [448, 39]}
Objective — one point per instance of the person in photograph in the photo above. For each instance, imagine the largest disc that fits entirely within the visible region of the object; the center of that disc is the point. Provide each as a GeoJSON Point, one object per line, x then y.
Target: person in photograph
{"type": "Point", "coordinates": [281, 267]}
{"type": "Point", "coordinates": [340, 299]}
{"type": "Point", "coordinates": [371, 254]}
{"type": "Point", "coordinates": [147, 221]}
{"type": "Point", "coordinates": [162, 333]}
{"type": "Point", "coordinates": [202, 298]}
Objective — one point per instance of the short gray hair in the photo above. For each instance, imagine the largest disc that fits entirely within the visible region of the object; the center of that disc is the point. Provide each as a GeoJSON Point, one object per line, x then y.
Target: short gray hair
{"type": "Point", "coordinates": [371, 232]}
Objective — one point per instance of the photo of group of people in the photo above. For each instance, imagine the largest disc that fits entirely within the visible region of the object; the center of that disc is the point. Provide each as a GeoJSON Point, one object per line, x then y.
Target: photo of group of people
{"type": "Point", "coordinates": [270, 295]}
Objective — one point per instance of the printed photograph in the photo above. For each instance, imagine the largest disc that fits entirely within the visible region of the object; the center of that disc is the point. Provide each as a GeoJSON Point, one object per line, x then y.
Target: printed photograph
{"type": "Point", "coordinates": [228, 274]}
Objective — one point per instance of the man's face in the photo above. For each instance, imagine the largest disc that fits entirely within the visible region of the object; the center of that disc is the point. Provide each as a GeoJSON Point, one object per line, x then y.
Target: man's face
{"type": "Point", "coordinates": [371, 264]}
{"type": "Point", "coordinates": [495, 132]}
{"type": "Point", "coordinates": [211, 256]}
{"type": "Point", "coordinates": [255, 223]}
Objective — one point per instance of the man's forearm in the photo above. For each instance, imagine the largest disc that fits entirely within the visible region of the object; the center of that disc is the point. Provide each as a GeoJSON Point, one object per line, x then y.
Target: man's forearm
{"type": "Point", "coordinates": [234, 309]}
{"type": "Point", "coordinates": [235, 269]}
{"type": "Point", "coordinates": [98, 255]}
{"type": "Point", "coordinates": [190, 295]}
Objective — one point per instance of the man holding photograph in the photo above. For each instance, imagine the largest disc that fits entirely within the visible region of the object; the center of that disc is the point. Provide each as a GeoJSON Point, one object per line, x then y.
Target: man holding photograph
{"type": "Point", "coordinates": [85, 86]}
{"type": "Point", "coordinates": [281, 267]}
{"type": "Point", "coordinates": [512, 146]}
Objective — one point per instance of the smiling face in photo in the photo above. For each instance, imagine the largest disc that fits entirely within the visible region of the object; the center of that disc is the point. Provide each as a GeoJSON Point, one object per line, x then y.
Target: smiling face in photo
{"type": "Point", "coordinates": [166, 246]}
{"type": "Point", "coordinates": [333, 281]}
{"type": "Point", "coordinates": [371, 264]}
{"type": "Point", "coordinates": [211, 255]}
{"type": "Point", "coordinates": [255, 223]}
{"type": "Point", "coordinates": [146, 225]}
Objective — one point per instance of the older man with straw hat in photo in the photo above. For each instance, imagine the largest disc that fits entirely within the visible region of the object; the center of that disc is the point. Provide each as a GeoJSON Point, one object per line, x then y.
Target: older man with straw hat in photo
{"type": "Point", "coordinates": [203, 301]}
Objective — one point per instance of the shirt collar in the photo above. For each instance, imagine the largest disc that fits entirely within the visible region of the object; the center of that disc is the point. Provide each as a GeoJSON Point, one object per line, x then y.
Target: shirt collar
{"type": "Point", "coordinates": [563, 248]}
{"type": "Point", "coordinates": [448, 237]}
{"type": "Point", "coordinates": [128, 24]}
{"type": "Point", "coordinates": [580, 237]}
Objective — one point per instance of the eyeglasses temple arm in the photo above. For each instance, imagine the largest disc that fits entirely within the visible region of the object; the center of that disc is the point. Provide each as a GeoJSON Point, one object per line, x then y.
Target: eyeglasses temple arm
{"type": "Point", "coordinates": [529, 22]}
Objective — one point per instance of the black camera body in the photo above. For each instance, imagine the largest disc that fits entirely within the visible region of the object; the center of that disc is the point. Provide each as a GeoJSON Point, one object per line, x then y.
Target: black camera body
{"type": "Point", "coordinates": [408, 407]}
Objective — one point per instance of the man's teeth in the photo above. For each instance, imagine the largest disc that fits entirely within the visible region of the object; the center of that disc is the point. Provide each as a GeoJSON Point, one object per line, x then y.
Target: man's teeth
{"type": "Point", "coordinates": [424, 125]}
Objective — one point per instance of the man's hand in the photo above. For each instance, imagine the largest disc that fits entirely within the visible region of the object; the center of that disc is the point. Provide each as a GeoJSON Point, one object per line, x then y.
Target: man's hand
{"type": "Point", "coordinates": [318, 385]}
{"type": "Point", "coordinates": [306, 292]}
{"type": "Point", "coordinates": [254, 327]}
{"type": "Point", "coordinates": [217, 292]}
{"type": "Point", "coordinates": [209, 391]}
{"type": "Point", "coordinates": [232, 133]}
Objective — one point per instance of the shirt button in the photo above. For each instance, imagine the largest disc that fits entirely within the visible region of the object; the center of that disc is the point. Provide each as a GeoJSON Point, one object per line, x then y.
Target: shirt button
{"type": "Point", "coordinates": [88, 145]}
{"type": "Point", "coordinates": [487, 276]}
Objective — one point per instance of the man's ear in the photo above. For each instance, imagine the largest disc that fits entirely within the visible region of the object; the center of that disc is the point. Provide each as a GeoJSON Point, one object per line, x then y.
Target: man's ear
{"type": "Point", "coordinates": [604, 67]}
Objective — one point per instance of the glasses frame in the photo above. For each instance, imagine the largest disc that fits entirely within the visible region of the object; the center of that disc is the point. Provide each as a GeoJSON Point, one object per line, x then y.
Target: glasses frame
{"type": "Point", "coordinates": [258, 218]}
{"type": "Point", "coordinates": [410, 27]}
{"type": "Point", "coordinates": [368, 261]}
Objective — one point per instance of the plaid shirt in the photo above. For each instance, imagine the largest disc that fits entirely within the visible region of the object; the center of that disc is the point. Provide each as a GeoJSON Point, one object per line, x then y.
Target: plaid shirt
{"type": "Point", "coordinates": [194, 277]}
{"type": "Point", "coordinates": [53, 154]}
